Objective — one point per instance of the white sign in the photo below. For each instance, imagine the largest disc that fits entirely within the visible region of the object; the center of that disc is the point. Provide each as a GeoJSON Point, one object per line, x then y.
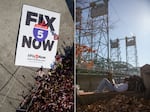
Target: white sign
{"type": "Point", "coordinates": [37, 38]}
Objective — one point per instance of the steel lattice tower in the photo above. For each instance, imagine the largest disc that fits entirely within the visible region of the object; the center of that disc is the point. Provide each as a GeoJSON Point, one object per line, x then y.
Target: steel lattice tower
{"type": "Point", "coordinates": [92, 31]}
{"type": "Point", "coordinates": [131, 54]}
{"type": "Point", "coordinates": [115, 54]}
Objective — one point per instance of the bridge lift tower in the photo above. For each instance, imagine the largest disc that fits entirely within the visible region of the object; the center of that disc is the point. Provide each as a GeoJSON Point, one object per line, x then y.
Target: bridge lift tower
{"type": "Point", "coordinates": [130, 64]}
{"type": "Point", "coordinates": [131, 55]}
{"type": "Point", "coordinates": [115, 54]}
{"type": "Point", "coordinates": [92, 30]}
